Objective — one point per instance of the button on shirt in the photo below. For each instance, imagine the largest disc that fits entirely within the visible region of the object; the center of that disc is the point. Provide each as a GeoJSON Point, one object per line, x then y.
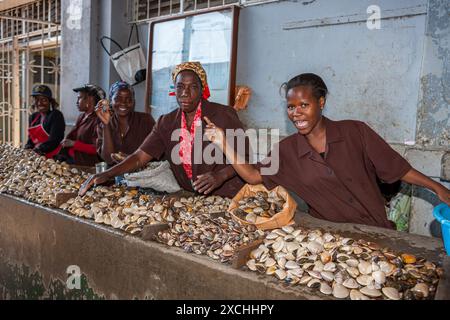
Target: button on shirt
{"type": "Point", "coordinates": [341, 186]}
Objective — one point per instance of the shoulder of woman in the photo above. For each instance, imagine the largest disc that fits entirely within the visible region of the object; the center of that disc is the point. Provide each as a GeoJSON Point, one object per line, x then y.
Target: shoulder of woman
{"type": "Point", "coordinates": [56, 113]}
{"type": "Point", "coordinates": [59, 117]}
{"type": "Point", "coordinates": [223, 114]}
{"type": "Point", "coordinates": [167, 120]}
{"type": "Point", "coordinates": [145, 116]}
{"type": "Point", "coordinates": [350, 126]}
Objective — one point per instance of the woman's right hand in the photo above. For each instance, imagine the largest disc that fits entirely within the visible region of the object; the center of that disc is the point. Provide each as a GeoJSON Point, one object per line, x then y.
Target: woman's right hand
{"type": "Point", "coordinates": [103, 112]}
{"type": "Point", "coordinates": [94, 179]}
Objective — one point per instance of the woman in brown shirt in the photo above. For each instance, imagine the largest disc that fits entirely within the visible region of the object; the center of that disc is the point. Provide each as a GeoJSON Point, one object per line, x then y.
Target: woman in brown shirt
{"type": "Point", "coordinates": [123, 130]}
{"type": "Point", "coordinates": [79, 146]}
{"type": "Point", "coordinates": [332, 165]}
{"type": "Point", "coordinates": [173, 139]}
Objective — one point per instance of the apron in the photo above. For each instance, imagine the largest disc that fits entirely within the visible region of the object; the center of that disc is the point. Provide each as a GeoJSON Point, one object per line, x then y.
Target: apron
{"type": "Point", "coordinates": [38, 135]}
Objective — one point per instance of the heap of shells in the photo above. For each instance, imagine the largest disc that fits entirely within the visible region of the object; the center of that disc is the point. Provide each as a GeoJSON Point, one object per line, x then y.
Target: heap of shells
{"type": "Point", "coordinates": [204, 234]}
{"type": "Point", "coordinates": [25, 174]}
{"type": "Point", "coordinates": [122, 208]}
{"type": "Point", "coordinates": [262, 204]}
{"type": "Point", "coordinates": [343, 267]}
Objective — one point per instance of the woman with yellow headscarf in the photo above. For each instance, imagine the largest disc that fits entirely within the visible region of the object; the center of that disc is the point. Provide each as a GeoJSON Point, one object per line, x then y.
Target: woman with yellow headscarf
{"type": "Point", "coordinates": [178, 138]}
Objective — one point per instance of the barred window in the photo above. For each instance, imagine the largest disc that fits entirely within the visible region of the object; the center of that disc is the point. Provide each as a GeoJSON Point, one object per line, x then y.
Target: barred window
{"type": "Point", "coordinates": [141, 10]}
{"type": "Point", "coordinates": [42, 10]}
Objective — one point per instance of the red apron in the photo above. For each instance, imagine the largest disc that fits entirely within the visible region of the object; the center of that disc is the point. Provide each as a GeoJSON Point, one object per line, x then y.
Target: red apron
{"type": "Point", "coordinates": [38, 135]}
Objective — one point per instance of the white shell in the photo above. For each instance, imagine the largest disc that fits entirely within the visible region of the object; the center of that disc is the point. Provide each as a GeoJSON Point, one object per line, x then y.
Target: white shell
{"type": "Point", "coordinates": [379, 277]}
{"type": "Point", "coordinates": [391, 293]}
{"type": "Point", "coordinates": [374, 293]}
{"type": "Point", "coordinates": [365, 267]}
{"type": "Point", "coordinates": [280, 274]}
{"type": "Point", "coordinates": [314, 247]}
{"type": "Point", "coordinates": [292, 265]}
{"type": "Point", "coordinates": [325, 288]}
{"type": "Point", "coordinates": [350, 283]}
{"type": "Point", "coordinates": [356, 295]}
{"type": "Point", "coordinates": [339, 291]}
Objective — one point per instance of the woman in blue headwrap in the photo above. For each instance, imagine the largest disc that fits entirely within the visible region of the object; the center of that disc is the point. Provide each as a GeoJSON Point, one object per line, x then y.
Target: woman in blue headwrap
{"type": "Point", "coordinates": [122, 130]}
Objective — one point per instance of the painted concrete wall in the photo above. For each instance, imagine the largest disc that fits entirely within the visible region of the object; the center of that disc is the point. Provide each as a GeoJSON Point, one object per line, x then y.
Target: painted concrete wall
{"type": "Point", "coordinates": [83, 58]}
{"type": "Point", "coordinates": [372, 75]}
{"type": "Point", "coordinates": [433, 119]}
{"type": "Point", "coordinates": [77, 64]}
{"type": "Point", "coordinates": [113, 22]}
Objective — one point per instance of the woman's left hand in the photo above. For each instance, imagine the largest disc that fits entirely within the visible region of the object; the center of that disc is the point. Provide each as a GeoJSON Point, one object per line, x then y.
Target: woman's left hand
{"type": "Point", "coordinates": [67, 143]}
{"type": "Point", "coordinates": [207, 182]}
{"type": "Point", "coordinates": [444, 195]}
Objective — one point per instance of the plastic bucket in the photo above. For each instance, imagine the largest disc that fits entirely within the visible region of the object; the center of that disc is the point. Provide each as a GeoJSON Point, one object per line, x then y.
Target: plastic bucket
{"type": "Point", "coordinates": [442, 214]}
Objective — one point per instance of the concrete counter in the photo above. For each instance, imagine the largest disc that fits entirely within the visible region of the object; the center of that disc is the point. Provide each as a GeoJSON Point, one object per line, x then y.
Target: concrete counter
{"type": "Point", "coordinates": [38, 244]}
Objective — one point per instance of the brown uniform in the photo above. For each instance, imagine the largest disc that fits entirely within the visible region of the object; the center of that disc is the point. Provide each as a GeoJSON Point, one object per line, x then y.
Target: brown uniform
{"type": "Point", "coordinates": [160, 145]}
{"type": "Point", "coordinates": [139, 126]}
{"type": "Point", "coordinates": [342, 186]}
{"type": "Point", "coordinates": [84, 134]}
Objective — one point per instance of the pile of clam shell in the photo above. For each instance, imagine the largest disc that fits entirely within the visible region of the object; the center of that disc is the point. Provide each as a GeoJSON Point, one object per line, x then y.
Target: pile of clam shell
{"type": "Point", "coordinates": [343, 267]}
{"type": "Point", "coordinates": [25, 174]}
{"type": "Point", "coordinates": [122, 208]}
{"type": "Point", "coordinates": [262, 204]}
{"type": "Point", "coordinates": [215, 236]}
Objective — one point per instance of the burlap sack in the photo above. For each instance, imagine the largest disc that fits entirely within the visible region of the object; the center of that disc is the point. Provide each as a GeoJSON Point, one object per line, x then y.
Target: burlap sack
{"type": "Point", "coordinates": [280, 219]}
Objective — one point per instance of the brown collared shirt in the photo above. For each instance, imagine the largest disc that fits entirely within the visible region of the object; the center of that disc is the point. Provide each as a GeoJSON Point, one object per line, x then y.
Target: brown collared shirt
{"type": "Point", "coordinates": [139, 126]}
{"type": "Point", "coordinates": [160, 145]}
{"type": "Point", "coordinates": [341, 186]}
{"type": "Point", "coordinates": [85, 131]}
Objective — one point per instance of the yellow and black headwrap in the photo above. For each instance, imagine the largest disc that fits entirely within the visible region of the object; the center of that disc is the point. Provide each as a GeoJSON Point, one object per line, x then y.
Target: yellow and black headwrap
{"type": "Point", "coordinates": [196, 67]}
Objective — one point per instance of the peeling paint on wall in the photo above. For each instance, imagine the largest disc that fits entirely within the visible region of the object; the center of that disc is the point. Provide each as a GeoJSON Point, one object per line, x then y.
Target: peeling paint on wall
{"type": "Point", "coordinates": [433, 120]}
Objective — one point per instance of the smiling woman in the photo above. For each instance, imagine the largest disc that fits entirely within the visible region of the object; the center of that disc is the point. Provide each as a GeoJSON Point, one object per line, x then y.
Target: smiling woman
{"type": "Point", "coordinates": [122, 130]}
{"type": "Point", "coordinates": [332, 165]}
{"type": "Point", "coordinates": [46, 125]}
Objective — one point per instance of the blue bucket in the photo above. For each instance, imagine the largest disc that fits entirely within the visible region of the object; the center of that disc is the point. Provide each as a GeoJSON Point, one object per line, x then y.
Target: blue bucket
{"type": "Point", "coordinates": [442, 214]}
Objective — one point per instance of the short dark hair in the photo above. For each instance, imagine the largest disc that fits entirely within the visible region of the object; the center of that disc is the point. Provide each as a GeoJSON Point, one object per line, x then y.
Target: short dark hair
{"type": "Point", "coordinates": [312, 80]}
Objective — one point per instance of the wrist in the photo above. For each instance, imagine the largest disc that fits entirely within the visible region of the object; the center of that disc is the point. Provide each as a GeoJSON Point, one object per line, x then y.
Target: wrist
{"type": "Point", "coordinates": [223, 176]}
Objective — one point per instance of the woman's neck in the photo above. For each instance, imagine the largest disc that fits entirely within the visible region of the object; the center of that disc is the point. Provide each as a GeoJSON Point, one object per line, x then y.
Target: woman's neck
{"type": "Point", "coordinates": [190, 116]}
{"type": "Point", "coordinates": [317, 136]}
{"type": "Point", "coordinates": [123, 120]}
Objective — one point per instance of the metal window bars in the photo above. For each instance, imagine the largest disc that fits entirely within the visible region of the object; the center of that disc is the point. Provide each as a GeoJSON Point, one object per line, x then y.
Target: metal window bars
{"type": "Point", "coordinates": [30, 37]}
{"type": "Point", "coordinates": [145, 10]}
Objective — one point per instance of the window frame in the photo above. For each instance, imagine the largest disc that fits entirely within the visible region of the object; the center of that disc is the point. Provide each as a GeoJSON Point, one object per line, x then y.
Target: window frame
{"type": "Point", "coordinates": [233, 51]}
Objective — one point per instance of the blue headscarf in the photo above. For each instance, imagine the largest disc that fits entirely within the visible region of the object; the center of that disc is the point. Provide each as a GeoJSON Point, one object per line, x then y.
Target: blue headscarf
{"type": "Point", "coordinates": [119, 85]}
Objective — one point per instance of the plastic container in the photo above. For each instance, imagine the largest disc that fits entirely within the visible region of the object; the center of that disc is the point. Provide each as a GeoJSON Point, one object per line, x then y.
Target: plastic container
{"type": "Point", "coordinates": [442, 214]}
{"type": "Point", "coordinates": [101, 167]}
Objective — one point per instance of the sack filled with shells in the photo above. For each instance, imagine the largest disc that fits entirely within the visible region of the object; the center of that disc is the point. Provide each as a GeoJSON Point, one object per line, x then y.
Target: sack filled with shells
{"type": "Point", "coordinates": [265, 209]}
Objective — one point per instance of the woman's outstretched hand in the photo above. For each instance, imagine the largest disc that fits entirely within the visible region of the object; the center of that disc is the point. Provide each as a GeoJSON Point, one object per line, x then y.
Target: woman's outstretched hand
{"type": "Point", "coordinates": [94, 179]}
{"type": "Point", "coordinates": [444, 195]}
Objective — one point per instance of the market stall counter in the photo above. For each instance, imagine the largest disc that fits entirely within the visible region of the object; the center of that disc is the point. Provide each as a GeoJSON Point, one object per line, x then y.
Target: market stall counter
{"type": "Point", "coordinates": [47, 253]}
